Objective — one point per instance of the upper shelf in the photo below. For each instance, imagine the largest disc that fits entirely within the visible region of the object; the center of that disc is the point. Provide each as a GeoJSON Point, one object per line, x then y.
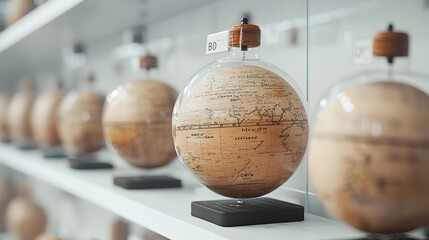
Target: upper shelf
{"type": "Point", "coordinates": [158, 209]}
{"type": "Point", "coordinates": [35, 43]}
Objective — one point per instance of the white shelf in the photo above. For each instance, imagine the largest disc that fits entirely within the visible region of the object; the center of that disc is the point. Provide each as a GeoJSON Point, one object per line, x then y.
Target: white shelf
{"type": "Point", "coordinates": [158, 210]}
{"type": "Point", "coordinates": [33, 21]}
{"type": "Point", "coordinates": [34, 44]}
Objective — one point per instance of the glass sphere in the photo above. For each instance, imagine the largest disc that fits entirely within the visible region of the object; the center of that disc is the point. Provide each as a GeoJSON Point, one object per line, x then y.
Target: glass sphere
{"type": "Point", "coordinates": [369, 151]}
{"type": "Point", "coordinates": [240, 127]}
{"type": "Point", "coordinates": [137, 123]}
{"type": "Point", "coordinates": [80, 125]}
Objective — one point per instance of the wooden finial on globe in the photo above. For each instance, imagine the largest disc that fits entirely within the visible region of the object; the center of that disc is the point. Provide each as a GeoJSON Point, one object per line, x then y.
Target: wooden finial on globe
{"type": "Point", "coordinates": [245, 35]}
{"type": "Point", "coordinates": [90, 77]}
{"type": "Point", "coordinates": [27, 84]}
{"type": "Point", "coordinates": [148, 62]}
{"type": "Point", "coordinates": [57, 82]}
{"type": "Point", "coordinates": [390, 44]}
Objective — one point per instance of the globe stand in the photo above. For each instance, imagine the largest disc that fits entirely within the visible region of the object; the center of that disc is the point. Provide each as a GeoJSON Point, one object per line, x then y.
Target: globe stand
{"type": "Point", "coordinates": [26, 146]}
{"type": "Point", "coordinates": [147, 182]}
{"type": "Point", "coordinates": [399, 236]}
{"type": "Point", "coordinates": [87, 162]}
{"type": "Point", "coordinates": [6, 140]}
{"type": "Point", "coordinates": [230, 213]}
{"type": "Point", "coordinates": [53, 151]}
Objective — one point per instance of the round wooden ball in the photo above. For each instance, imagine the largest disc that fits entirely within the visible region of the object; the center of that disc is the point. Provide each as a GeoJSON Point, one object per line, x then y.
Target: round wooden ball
{"type": "Point", "coordinates": [24, 218]}
{"type": "Point", "coordinates": [4, 109]}
{"type": "Point", "coordinates": [137, 123]}
{"type": "Point", "coordinates": [80, 125]}
{"type": "Point", "coordinates": [19, 115]}
{"type": "Point", "coordinates": [6, 195]}
{"type": "Point", "coordinates": [45, 118]}
{"type": "Point", "coordinates": [369, 154]}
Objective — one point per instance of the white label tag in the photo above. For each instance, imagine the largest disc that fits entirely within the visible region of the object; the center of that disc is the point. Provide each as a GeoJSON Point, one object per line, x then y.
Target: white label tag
{"type": "Point", "coordinates": [362, 52]}
{"type": "Point", "coordinates": [217, 42]}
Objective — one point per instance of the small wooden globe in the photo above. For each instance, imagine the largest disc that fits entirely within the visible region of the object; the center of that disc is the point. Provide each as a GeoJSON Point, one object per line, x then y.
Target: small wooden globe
{"type": "Point", "coordinates": [137, 123]}
{"type": "Point", "coordinates": [16, 9]}
{"type": "Point", "coordinates": [369, 153]}
{"type": "Point", "coordinates": [19, 115]}
{"type": "Point", "coordinates": [45, 117]}
{"type": "Point", "coordinates": [24, 218]}
{"type": "Point", "coordinates": [80, 125]}
{"type": "Point", "coordinates": [6, 195]}
{"type": "Point", "coordinates": [4, 111]}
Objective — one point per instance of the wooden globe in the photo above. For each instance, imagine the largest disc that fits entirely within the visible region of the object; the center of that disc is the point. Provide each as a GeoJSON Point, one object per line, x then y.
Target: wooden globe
{"type": "Point", "coordinates": [6, 195]}
{"type": "Point", "coordinates": [19, 115]}
{"type": "Point", "coordinates": [16, 9]}
{"type": "Point", "coordinates": [24, 218]}
{"type": "Point", "coordinates": [242, 130]}
{"type": "Point", "coordinates": [80, 125]}
{"type": "Point", "coordinates": [4, 109]}
{"type": "Point", "coordinates": [369, 155]}
{"type": "Point", "coordinates": [137, 123]}
{"type": "Point", "coordinates": [45, 117]}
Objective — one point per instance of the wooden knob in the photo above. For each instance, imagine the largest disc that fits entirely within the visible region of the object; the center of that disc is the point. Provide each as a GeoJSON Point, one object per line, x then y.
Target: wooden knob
{"type": "Point", "coordinates": [148, 62]}
{"type": "Point", "coordinates": [390, 44]}
{"type": "Point", "coordinates": [90, 77]}
{"type": "Point", "coordinates": [245, 35]}
{"type": "Point", "coordinates": [27, 84]}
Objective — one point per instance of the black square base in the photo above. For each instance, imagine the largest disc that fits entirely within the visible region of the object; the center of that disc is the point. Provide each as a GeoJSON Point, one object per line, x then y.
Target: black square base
{"type": "Point", "coordinates": [5, 140]}
{"type": "Point", "coordinates": [147, 182]}
{"type": "Point", "coordinates": [88, 163]}
{"type": "Point", "coordinates": [396, 236]}
{"type": "Point", "coordinates": [370, 237]}
{"type": "Point", "coordinates": [26, 147]}
{"type": "Point", "coordinates": [229, 213]}
{"type": "Point", "coordinates": [53, 152]}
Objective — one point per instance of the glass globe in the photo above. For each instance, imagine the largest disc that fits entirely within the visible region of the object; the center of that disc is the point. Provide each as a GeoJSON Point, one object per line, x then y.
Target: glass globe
{"type": "Point", "coordinates": [240, 124]}
{"type": "Point", "coordinates": [137, 121]}
{"type": "Point", "coordinates": [369, 150]}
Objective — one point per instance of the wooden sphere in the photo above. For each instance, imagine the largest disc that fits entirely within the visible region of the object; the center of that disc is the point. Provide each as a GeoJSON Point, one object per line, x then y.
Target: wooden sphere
{"type": "Point", "coordinates": [24, 218]}
{"type": "Point", "coordinates": [19, 116]}
{"type": "Point", "coordinates": [137, 123]}
{"type": "Point", "coordinates": [119, 230]}
{"type": "Point", "coordinates": [4, 109]}
{"type": "Point", "coordinates": [369, 155]}
{"type": "Point", "coordinates": [6, 195]}
{"type": "Point", "coordinates": [80, 125]}
{"type": "Point", "coordinates": [242, 130]}
{"type": "Point", "coordinates": [45, 118]}
{"type": "Point", "coordinates": [16, 9]}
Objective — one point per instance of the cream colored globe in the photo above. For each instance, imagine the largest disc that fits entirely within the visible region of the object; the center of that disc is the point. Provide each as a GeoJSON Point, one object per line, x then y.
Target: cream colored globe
{"type": "Point", "coordinates": [241, 130]}
{"type": "Point", "coordinates": [44, 118]}
{"type": "Point", "coordinates": [80, 125]}
{"type": "Point", "coordinates": [4, 110]}
{"type": "Point", "coordinates": [369, 157]}
{"type": "Point", "coordinates": [137, 123]}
